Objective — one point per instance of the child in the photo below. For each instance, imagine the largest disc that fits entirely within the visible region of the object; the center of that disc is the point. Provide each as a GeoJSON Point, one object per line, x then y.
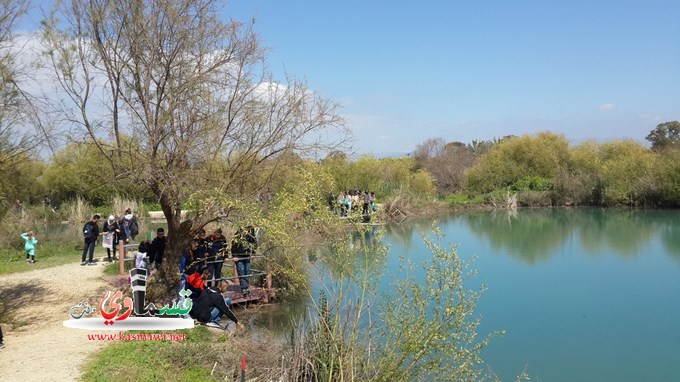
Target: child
{"type": "Point", "coordinates": [31, 241]}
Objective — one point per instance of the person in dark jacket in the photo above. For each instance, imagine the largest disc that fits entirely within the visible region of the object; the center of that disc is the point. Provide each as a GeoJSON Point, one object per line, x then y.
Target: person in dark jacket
{"type": "Point", "coordinates": [243, 245]}
{"type": "Point", "coordinates": [212, 304]}
{"type": "Point", "coordinates": [158, 248]}
{"type": "Point", "coordinates": [216, 243]}
{"type": "Point", "coordinates": [90, 233]}
{"type": "Point", "coordinates": [202, 250]}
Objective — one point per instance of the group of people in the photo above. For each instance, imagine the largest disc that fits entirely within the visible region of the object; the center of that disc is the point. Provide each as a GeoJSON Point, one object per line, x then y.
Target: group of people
{"type": "Point", "coordinates": [200, 266]}
{"type": "Point", "coordinates": [201, 273]}
{"type": "Point", "coordinates": [346, 200]}
{"type": "Point", "coordinates": [208, 254]}
{"type": "Point", "coordinates": [115, 231]}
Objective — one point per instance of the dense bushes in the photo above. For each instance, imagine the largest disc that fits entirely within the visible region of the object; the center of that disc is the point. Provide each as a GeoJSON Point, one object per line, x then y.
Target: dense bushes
{"type": "Point", "coordinates": [545, 170]}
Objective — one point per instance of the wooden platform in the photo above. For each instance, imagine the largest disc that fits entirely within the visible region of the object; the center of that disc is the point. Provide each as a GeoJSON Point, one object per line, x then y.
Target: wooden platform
{"type": "Point", "coordinates": [257, 294]}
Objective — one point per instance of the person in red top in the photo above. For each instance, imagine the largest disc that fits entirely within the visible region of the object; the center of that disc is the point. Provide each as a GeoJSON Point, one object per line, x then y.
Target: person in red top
{"type": "Point", "coordinates": [196, 282]}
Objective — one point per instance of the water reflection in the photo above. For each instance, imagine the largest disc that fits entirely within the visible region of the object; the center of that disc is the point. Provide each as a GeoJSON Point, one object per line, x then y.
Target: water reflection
{"type": "Point", "coordinates": [529, 235]}
{"type": "Point", "coordinates": [670, 237]}
{"type": "Point", "coordinates": [622, 231]}
{"type": "Point", "coordinates": [536, 235]}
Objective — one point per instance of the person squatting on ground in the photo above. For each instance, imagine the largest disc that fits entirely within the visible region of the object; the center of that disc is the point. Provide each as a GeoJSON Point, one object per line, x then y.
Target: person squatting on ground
{"type": "Point", "coordinates": [243, 245]}
{"type": "Point", "coordinates": [29, 245]}
{"type": "Point", "coordinates": [212, 304]}
{"type": "Point", "coordinates": [90, 234]}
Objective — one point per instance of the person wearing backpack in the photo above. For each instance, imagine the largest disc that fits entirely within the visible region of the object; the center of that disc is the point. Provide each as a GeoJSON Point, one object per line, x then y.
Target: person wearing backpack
{"type": "Point", "coordinates": [90, 234]}
{"type": "Point", "coordinates": [130, 225]}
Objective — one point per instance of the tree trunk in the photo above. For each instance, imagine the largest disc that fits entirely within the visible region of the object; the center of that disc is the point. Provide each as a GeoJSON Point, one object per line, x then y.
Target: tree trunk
{"type": "Point", "coordinates": [179, 235]}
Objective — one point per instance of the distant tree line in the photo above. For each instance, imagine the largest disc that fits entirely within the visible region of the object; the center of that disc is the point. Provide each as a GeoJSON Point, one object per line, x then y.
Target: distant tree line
{"type": "Point", "coordinates": [545, 169]}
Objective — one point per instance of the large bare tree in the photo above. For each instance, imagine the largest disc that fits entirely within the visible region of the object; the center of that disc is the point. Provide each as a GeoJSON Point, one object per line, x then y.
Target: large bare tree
{"type": "Point", "coordinates": [183, 96]}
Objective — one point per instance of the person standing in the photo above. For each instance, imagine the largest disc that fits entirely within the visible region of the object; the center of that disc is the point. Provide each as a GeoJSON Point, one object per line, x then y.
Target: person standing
{"type": "Point", "coordinates": [158, 248]}
{"type": "Point", "coordinates": [112, 228]}
{"type": "Point", "coordinates": [29, 246]}
{"type": "Point", "coordinates": [201, 252]}
{"type": "Point", "coordinates": [243, 245]}
{"type": "Point", "coordinates": [187, 265]}
{"type": "Point", "coordinates": [2, 344]}
{"type": "Point", "coordinates": [130, 226]}
{"type": "Point", "coordinates": [367, 202]}
{"type": "Point", "coordinates": [348, 204]}
{"type": "Point", "coordinates": [341, 204]}
{"type": "Point", "coordinates": [90, 234]}
{"type": "Point", "coordinates": [216, 242]}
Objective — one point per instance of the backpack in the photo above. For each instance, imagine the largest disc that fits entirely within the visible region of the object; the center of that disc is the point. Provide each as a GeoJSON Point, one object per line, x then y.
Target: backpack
{"type": "Point", "coordinates": [134, 227]}
{"type": "Point", "coordinates": [126, 227]}
{"type": "Point", "coordinates": [87, 231]}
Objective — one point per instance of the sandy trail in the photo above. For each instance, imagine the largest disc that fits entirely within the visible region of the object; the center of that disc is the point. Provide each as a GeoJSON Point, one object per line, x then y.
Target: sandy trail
{"type": "Point", "coordinates": [40, 348]}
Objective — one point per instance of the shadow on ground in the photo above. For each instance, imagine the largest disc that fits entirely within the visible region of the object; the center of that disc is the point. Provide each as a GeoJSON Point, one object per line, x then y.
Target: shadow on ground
{"type": "Point", "coordinates": [17, 297]}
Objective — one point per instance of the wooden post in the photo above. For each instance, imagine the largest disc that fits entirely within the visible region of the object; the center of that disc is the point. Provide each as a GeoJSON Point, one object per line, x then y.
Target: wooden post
{"type": "Point", "coordinates": [121, 258]}
{"type": "Point", "coordinates": [268, 279]}
{"type": "Point", "coordinates": [237, 279]}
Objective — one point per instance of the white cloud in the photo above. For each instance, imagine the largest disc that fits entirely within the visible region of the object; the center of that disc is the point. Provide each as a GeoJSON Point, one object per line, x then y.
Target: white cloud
{"type": "Point", "coordinates": [608, 107]}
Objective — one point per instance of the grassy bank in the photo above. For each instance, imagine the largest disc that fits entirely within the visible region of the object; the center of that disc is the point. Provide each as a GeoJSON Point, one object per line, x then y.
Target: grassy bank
{"type": "Point", "coordinates": [155, 360]}
{"type": "Point", "coordinates": [205, 355]}
{"type": "Point", "coordinates": [47, 255]}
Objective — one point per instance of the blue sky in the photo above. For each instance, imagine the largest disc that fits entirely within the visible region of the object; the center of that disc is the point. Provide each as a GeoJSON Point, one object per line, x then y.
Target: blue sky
{"type": "Point", "coordinates": [406, 71]}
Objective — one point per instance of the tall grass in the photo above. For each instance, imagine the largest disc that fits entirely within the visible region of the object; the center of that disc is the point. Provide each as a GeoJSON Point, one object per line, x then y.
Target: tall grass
{"type": "Point", "coordinates": [77, 210]}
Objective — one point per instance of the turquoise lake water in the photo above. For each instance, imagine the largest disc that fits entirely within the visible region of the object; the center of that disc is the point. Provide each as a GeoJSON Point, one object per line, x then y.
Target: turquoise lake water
{"type": "Point", "coordinates": [582, 294]}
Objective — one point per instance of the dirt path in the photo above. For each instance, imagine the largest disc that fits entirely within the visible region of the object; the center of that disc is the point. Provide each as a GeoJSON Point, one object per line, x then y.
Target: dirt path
{"type": "Point", "coordinates": [39, 347]}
